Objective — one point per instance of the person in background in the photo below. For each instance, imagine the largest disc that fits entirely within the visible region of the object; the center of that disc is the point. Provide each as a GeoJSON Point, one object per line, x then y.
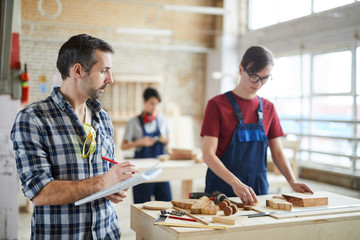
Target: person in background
{"type": "Point", "coordinates": [59, 143]}
{"type": "Point", "coordinates": [237, 128]}
{"type": "Point", "coordinates": [148, 133]}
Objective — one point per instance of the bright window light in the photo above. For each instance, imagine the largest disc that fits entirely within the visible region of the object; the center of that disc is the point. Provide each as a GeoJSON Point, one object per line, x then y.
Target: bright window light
{"type": "Point", "coordinates": [262, 13]}
{"type": "Point", "coordinates": [291, 9]}
{"type": "Point", "coordinates": [322, 5]}
{"type": "Point", "coordinates": [332, 72]}
{"type": "Point", "coordinates": [286, 78]}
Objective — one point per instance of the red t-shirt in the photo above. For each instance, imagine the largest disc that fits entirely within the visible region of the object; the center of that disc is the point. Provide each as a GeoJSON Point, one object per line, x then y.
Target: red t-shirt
{"type": "Point", "coordinates": [220, 120]}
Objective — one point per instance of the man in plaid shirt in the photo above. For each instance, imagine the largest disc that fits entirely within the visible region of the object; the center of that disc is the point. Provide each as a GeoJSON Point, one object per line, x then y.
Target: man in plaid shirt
{"type": "Point", "coordinates": [59, 143]}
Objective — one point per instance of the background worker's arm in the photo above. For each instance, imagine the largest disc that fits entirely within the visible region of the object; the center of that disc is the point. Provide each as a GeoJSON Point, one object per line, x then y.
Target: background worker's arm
{"type": "Point", "coordinates": [284, 167]}
{"type": "Point", "coordinates": [58, 192]}
{"type": "Point", "coordinates": [244, 192]}
{"type": "Point", "coordinates": [145, 141]}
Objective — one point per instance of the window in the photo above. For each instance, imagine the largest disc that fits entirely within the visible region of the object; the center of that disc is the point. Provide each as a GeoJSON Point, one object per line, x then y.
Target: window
{"type": "Point", "coordinates": [291, 9]}
{"type": "Point", "coordinates": [322, 5]}
{"type": "Point", "coordinates": [332, 108]}
{"type": "Point", "coordinates": [314, 99]}
{"type": "Point", "coordinates": [264, 13]}
{"type": "Point", "coordinates": [332, 72]}
{"type": "Point", "coordinates": [286, 78]}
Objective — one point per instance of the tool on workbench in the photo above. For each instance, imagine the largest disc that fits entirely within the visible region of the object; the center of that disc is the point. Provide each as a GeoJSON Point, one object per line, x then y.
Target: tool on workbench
{"type": "Point", "coordinates": [298, 210]}
{"type": "Point", "coordinates": [161, 221]}
{"type": "Point", "coordinates": [216, 196]}
{"type": "Point", "coordinates": [192, 216]}
{"type": "Point", "coordinates": [179, 218]}
{"type": "Point", "coordinates": [173, 212]}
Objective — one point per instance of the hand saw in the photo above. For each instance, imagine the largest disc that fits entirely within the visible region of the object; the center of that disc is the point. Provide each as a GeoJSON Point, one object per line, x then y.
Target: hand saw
{"type": "Point", "coordinates": [296, 211]}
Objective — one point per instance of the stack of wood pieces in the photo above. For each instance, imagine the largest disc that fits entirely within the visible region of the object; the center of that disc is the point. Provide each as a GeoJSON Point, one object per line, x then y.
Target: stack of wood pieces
{"type": "Point", "coordinates": [182, 154]}
{"type": "Point", "coordinates": [277, 203]}
{"type": "Point", "coordinates": [227, 207]}
{"type": "Point", "coordinates": [228, 203]}
{"type": "Point", "coordinates": [204, 205]}
{"type": "Point", "coordinates": [184, 203]}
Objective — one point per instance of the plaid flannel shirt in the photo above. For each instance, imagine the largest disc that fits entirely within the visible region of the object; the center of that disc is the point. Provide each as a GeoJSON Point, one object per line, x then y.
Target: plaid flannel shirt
{"type": "Point", "coordinates": [48, 138]}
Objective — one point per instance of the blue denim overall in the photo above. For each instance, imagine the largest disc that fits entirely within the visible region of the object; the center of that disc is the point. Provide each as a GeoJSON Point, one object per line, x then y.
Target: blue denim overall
{"type": "Point", "coordinates": [245, 155]}
{"type": "Point", "coordinates": [161, 190]}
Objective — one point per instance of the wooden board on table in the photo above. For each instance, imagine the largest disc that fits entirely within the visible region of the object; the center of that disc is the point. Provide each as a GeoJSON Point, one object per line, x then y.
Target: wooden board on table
{"type": "Point", "coordinates": [306, 199]}
{"type": "Point", "coordinates": [334, 201]}
{"type": "Point", "coordinates": [157, 205]}
{"type": "Point", "coordinates": [183, 203]}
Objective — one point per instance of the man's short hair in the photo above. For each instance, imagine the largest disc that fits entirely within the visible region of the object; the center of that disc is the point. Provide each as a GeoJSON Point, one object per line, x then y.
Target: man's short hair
{"type": "Point", "coordinates": [80, 49]}
{"type": "Point", "coordinates": [151, 92]}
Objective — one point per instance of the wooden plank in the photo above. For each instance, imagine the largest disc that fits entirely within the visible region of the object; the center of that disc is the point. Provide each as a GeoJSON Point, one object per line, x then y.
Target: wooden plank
{"type": "Point", "coordinates": [315, 213]}
{"type": "Point", "coordinates": [334, 200]}
{"type": "Point", "coordinates": [115, 100]}
{"type": "Point", "coordinates": [138, 97]}
{"type": "Point", "coordinates": [123, 99]}
{"type": "Point", "coordinates": [229, 220]}
{"type": "Point", "coordinates": [186, 188]}
{"type": "Point", "coordinates": [306, 200]}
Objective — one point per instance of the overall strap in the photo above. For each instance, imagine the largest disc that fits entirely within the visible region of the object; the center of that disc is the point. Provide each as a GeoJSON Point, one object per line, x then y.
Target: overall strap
{"type": "Point", "coordinates": [157, 125]}
{"type": "Point", "coordinates": [237, 110]}
{"type": "Point", "coordinates": [260, 110]}
{"type": "Point", "coordinates": [142, 124]}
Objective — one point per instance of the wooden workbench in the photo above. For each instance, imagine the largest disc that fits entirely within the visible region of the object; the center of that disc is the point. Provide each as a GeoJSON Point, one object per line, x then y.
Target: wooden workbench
{"type": "Point", "coordinates": [332, 225]}
{"type": "Point", "coordinates": [185, 170]}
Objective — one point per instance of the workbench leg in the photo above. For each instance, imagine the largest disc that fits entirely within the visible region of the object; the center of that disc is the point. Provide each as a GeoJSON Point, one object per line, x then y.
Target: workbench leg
{"type": "Point", "coordinates": [186, 188]}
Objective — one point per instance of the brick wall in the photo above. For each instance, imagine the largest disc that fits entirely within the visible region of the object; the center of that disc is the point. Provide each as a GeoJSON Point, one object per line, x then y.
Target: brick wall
{"type": "Point", "coordinates": [135, 54]}
{"type": "Point", "coordinates": [184, 71]}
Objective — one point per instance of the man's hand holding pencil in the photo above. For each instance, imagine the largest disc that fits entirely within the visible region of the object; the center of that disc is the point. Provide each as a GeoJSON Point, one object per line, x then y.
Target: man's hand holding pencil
{"type": "Point", "coordinates": [117, 174]}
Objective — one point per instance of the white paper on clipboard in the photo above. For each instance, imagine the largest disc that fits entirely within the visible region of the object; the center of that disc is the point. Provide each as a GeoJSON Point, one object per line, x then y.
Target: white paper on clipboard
{"type": "Point", "coordinates": [147, 175]}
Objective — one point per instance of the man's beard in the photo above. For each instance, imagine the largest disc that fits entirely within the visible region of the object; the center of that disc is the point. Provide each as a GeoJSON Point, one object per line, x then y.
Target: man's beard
{"type": "Point", "coordinates": [93, 93]}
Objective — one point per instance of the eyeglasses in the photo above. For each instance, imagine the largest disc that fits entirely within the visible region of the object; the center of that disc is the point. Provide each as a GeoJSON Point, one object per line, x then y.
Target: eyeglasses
{"type": "Point", "coordinates": [255, 78]}
{"type": "Point", "coordinates": [90, 143]}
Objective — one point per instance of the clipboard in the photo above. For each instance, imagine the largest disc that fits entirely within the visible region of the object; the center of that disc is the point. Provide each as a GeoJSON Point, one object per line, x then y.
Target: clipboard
{"type": "Point", "coordinates": [147, 175]}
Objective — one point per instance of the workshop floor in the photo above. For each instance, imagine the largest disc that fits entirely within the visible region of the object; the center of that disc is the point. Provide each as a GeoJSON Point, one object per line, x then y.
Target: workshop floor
{"type": "Point", "coordinates": [123, 209]}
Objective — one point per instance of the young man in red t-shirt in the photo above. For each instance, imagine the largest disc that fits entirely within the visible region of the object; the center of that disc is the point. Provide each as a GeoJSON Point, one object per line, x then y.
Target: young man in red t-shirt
{"type": "Point", "coordinates": [237, 129]}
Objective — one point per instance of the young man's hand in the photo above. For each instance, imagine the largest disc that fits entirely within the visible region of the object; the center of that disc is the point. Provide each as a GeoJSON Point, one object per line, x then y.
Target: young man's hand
{"type": "Point", "coordinates": [147, 141]}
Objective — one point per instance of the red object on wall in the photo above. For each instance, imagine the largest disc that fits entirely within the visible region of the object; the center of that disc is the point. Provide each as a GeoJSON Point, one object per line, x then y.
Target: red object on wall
{"type": "Point", "coordinates": [15, 51]}
{"type": "Point", "coordinates": [25, 95]}
{"type": "Point", "coordinates": [25, 77]}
